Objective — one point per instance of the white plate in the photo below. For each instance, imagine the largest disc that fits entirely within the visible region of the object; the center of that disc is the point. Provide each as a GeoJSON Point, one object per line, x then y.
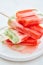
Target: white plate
{"type": "Point", "coordinates": [9, 54]}
{"type": "Point", "coordinates": [10, 9]}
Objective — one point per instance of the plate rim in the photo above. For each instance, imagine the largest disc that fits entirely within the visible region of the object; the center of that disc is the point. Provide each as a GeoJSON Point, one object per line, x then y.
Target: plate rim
{"type": "Point", "coordinates": [23, 59]}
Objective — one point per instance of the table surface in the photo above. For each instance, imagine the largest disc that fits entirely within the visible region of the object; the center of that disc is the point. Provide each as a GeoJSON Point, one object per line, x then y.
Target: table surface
{"type": "Point", "coordinates": [7, 7]}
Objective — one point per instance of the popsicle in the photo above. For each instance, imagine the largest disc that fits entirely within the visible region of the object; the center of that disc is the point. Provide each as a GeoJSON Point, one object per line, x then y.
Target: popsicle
{"type": "Point", "coordinates": [29, 21]}
{"type": "Point", "coordinates": [37, 28]}
{"type": "Point", "coordinates": [11, 36]}
{"type": "Point", "coordinates": [24, 13]}
{"type": "Point", "coordinates": [32, 33]}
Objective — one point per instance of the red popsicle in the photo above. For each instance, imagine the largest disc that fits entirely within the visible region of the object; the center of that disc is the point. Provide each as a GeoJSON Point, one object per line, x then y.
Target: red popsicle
{"type": "Point", "coordinates": [28, 21]}
{"type": "Point", "coordinates": [25, 13]}
{"type": "Point", "coordinates": [28, 43]}
{"type": "Point", "coordinates": [37, 28]}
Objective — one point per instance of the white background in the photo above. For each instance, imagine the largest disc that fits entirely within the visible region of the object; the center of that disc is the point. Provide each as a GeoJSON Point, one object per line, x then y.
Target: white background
{"type": "Point", "coordinates": [9, 7]}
